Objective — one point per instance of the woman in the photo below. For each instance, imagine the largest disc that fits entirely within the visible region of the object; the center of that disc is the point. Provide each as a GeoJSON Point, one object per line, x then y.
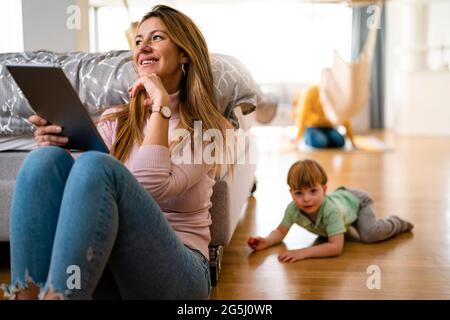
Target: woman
{"type": "Point", "coordinates": [135, 215]}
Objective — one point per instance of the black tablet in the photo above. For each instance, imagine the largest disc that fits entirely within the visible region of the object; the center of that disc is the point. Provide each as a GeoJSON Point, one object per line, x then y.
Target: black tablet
{"type": "Point", "coordinates": [52, 97]}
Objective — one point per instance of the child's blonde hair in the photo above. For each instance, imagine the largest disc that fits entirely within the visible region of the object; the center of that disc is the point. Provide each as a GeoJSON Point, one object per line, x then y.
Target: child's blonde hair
{"type": "Point", "coordinates": [306, 174]}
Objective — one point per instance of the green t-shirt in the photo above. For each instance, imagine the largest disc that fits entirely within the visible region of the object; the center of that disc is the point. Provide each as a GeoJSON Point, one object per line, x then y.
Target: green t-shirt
{"type": "Point", "coordinates": [338, 211]}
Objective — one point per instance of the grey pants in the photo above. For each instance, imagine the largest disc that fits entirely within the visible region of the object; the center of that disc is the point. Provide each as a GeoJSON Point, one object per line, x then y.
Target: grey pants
{"type": "Point", "coordinates": [369, 228]}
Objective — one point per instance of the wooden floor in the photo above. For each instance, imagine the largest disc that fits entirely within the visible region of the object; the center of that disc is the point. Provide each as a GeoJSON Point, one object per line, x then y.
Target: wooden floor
{"type": "Point", "coordinates": [413, 181]}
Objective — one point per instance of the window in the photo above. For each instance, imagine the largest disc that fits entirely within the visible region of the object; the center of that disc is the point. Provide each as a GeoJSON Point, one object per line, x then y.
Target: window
{"type": "Point", "coordinates": [286, 41]}
{"type": "Point", "coordinates": [111, 25]}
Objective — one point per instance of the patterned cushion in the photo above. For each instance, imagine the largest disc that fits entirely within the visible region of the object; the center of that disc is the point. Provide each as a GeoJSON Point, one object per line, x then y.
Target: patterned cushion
{"type": "Point", "coordinates": [102, 80]}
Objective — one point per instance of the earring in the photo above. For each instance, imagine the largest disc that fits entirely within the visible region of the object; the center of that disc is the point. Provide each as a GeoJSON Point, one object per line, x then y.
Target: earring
{"type": "Point", "coordinates": [183, 70]}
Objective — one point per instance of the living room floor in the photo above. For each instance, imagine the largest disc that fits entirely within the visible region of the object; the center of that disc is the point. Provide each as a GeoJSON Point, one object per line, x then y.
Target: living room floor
{"type": "Point", "coordinates": [412, 180]}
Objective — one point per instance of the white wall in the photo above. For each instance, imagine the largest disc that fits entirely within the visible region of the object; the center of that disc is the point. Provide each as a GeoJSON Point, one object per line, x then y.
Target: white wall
{"type": "Point", "coordinates": [417, 81]}
{"type": "Point", "coordinates": [53, 25]}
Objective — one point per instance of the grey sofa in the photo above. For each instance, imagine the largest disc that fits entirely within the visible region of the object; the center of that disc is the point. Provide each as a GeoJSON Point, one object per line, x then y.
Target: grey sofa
{"type": "Point", "coordinates": [236, 100]}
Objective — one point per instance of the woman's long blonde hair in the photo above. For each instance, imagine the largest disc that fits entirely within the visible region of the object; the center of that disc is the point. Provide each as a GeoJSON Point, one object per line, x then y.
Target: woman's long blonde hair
{"type": "Point", "coordinates": [196, 98]}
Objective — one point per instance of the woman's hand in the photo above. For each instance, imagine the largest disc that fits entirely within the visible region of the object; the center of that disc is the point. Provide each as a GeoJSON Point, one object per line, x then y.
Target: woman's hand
{"type": "Point", "coordinates": [292, 256]}
{"type": "Point", "coordinates": [47, 135]}
{"type": "Point", "coordinates": [258, 243]}
{"type": "Point", "coordinates": [152, 84]}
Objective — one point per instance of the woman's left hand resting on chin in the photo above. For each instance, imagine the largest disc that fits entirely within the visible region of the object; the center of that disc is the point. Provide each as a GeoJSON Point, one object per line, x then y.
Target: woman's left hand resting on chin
{"type": "Point", "coordinates": [157, 96]}
{"type": "Point", "coordinates": [154, 87]}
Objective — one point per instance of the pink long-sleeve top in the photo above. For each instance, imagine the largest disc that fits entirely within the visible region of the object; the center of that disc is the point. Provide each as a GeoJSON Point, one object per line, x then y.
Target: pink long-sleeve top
{"type": "Point", "coordinates": [183, 191]}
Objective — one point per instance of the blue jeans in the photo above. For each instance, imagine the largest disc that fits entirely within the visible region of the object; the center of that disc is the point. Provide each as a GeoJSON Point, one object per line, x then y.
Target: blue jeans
{"type": "Point", "coordinates": [88, 229]}
{"type": "Point", "coordinates": [318, 137]}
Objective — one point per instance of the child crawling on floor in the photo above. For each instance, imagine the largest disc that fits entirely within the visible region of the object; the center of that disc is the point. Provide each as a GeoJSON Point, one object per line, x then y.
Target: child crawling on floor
{"type": "Point", "coordinates": [328, 215]}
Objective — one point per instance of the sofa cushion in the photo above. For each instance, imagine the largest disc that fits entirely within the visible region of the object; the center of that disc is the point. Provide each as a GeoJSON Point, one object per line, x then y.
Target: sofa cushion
{"type": "Point", "coordinates": [10, 163]}
{"type": "Point", "coordinates": [6, 190]}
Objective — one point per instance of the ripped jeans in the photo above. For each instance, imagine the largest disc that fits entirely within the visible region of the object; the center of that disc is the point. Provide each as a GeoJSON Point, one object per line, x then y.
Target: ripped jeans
{"type": "Point", "coordinates": [86, 226]}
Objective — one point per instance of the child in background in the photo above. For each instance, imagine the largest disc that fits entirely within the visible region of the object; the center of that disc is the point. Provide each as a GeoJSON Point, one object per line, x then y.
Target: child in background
{"type": "Point", "coordinates": [329, 216]}
{"type": "Point", "coordinates": [312, 122]}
